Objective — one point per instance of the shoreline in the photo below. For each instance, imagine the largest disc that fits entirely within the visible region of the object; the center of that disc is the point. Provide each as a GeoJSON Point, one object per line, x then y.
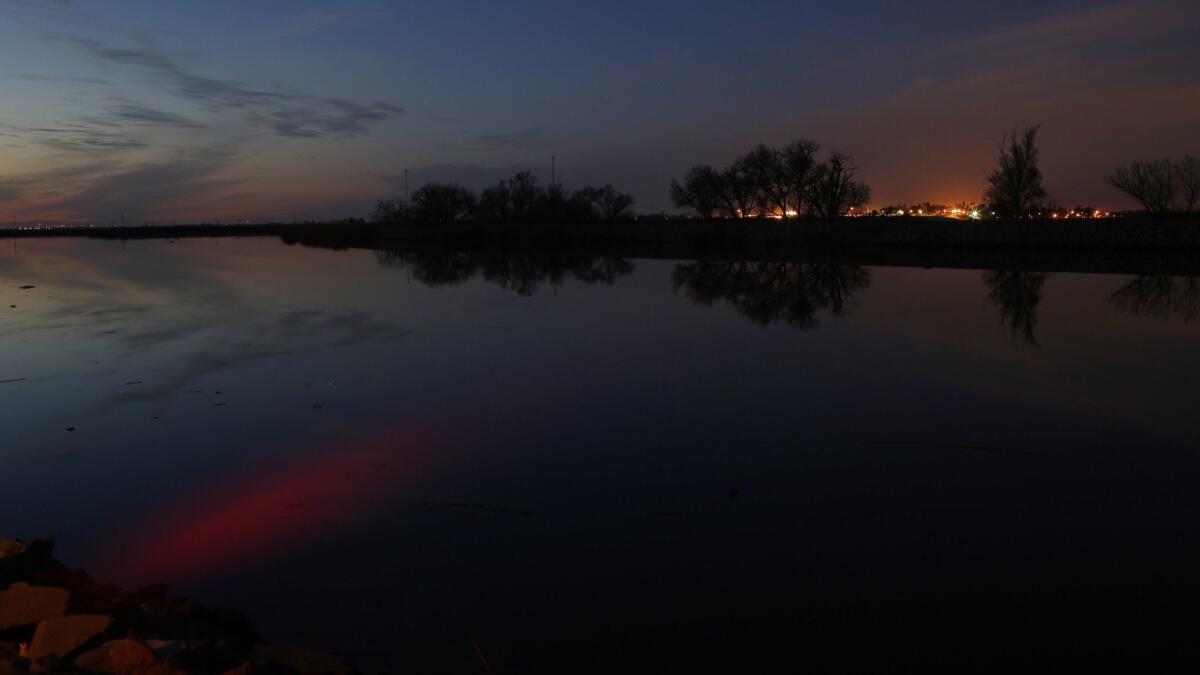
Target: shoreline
{"type": "Point", "coordinates": [1175, 233]}
{"type": "Point", "coordinates": [1113, 246]}
{"type": "Point", "coordinates": [57, 619]}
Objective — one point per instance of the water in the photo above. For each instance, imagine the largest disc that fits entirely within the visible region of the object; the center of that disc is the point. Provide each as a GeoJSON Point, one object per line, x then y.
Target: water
{"type": "Point", "coordinates": [589, 461]}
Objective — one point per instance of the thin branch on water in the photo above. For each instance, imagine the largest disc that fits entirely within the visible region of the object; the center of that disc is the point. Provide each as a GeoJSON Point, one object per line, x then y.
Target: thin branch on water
{"type": "Point", "coordinates": [482, 658]}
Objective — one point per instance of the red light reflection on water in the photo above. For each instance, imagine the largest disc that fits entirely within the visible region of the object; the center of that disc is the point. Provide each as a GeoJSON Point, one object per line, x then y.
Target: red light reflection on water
{"type": "Point", "coordinates": [264, 511]}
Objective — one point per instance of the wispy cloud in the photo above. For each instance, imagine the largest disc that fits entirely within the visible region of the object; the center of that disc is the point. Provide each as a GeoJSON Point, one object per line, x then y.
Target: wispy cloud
{"type": "Point", "coordinates": [137, 114]}
{"type": "Point", "coordinates": [1132, 21]}
{"type": "Point", "coordinates": [288, 114]}
{"type": "Point", "coordinates": [75, 137]}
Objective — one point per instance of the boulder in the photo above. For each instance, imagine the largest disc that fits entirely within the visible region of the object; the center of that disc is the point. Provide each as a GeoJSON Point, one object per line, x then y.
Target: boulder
{"type": "Point", "coordinates": [11, 547]}
{"type": "Point", "coordinates": [303, 661]}
{"type": "Point", "coordinates": [165, 649]}
{"type": "Point", "coordinates": [25, 605]}
{"type": "Point", "coordinates": [122, 657]}
{"type": "Point", "coordinates": [55, 639]}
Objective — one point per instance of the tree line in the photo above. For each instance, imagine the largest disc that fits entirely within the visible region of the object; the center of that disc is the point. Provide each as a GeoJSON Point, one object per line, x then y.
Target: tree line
{"type": "Point", "coordinates": [787, 182]}
{"type": "Point", "coordinates": [793, 181]}
{"type": "Point", "coordinates": [519, 200]}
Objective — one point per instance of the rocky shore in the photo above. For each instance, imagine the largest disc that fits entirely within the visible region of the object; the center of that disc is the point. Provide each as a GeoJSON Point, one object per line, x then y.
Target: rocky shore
{"type": "Point", "coordinates": [54, 619]}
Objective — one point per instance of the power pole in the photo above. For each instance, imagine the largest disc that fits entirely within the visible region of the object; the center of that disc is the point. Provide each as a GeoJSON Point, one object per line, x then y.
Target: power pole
{"type": "Point", "coordinates": [406, 188]}
{"type": "Point", "coordinates": [553, 170]}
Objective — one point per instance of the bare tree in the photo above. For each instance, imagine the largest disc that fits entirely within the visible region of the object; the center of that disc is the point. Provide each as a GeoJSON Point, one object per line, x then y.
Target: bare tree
{"type": "Point", "coordinates": [700, 191]}
{"type": "Point", "coordinates": [444, 203]}
{"type": "Point", "coordinates": [1152, 184]}
{"type": "Point", "coordinates": [786, 183]}
{"type": "Point", "coordinates": [768, 172]}
{"type": "Point", "coordinates": [1017, 295]}
{"type": "Point", "coordinates": [739, 198]}
{"type": "Point", "coordinates": [1015, 188]}
{"type": "Point", "coordinates": [1188, 173]}
{"type": "Point", "coordinates": [511, 200]}
{"type": "Point", "coordinates": [800, 163]}
{"type": "Point", "coordinates": [613, 205]}
{"type": "Point", "coordinates": [389, 212]}
{"type": "Point", "coordinates": [833, 190]}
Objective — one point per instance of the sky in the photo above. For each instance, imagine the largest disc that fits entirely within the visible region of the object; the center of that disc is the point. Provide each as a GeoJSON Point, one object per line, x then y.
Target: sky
{"type": "Point", "coordinates": [276, 110]}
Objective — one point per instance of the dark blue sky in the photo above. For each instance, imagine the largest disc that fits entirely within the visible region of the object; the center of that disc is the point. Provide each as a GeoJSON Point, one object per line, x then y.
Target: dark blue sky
{"type": "Point", "coordinates": [272, 109]}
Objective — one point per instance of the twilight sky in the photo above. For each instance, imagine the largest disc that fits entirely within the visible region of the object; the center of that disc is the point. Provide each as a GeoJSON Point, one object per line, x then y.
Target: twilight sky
{"type": "Point", "coordinates": [276, 109]}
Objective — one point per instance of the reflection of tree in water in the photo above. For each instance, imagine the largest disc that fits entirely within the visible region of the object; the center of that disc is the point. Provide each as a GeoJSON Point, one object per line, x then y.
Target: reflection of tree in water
{"type": "Point", "coordinates": [519, 271]}
{"type": "Point", "coordinates": [1160, 296]}
{"type": "Point", "coordinates": [767, 292]}
{"type": "Point", "coordinates": [1017, 296]}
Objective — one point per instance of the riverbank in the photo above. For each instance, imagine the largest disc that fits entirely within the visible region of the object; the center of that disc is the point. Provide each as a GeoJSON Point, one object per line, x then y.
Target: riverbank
{"type": "Point", "coordinates": [1109, 246]}
{"type": "Point", "coordinates": [56, 619]}
{"type": "Point", "coordinates": [1134, 233]}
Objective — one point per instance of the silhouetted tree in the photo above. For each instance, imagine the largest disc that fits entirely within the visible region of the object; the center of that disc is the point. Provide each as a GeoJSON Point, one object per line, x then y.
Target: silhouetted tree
{"type": "Point", "coordinates": [769, 174]}
{"type": "Point", "coordinates": [389, 212]}
{"type": "Point", "coordinates": [601, 203]}
{"type": "Point", "coordinates": [1161, 187]}
{"type": "Point", "coordinates": [1015, 188]}
{"type": "Point", "coordinates": [521, 271]}
{"type": "Point", "coordinates": [1160, 296]}
{"type": "Point", "coordinates": [511, 200]}
{"type": "Point", "coordinates": [739, 198]}
{"type": "Point", "coordinates": [802, 171]}
{"type": "Point", "coordinates": [1188, 171]}
{"type": "Point", "coordinates": [786, 183]}
{"type": "Point", "coordinates": [554, 205]}
{"type": "Point", "coordinates": [766, 292]}
{"type": "Point", "coordinates": [700, 191]}
{"type": "Point", "coordinates": [1017, 296]}
{"type": "Point", "coordinates": [443, 203]}
{"type": "Point", "coordinates": [833, 190]}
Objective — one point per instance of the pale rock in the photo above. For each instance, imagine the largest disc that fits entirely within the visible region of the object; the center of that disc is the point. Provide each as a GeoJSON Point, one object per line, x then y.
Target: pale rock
{"type": "Point", "coordinates": [11, 547]}
{"type": "Point", "coordinates": [25, 605]}
{"type": "Point", "coordinates": [56, 638]}
{"type": "Point", "coordinates": [121, 657]}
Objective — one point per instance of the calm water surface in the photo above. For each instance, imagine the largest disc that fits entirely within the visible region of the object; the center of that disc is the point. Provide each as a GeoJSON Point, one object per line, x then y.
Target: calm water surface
{"type": "Point", "coordinates": [587, 461]}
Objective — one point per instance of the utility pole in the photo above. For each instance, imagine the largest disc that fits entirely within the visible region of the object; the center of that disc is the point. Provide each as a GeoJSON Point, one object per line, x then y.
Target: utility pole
{"type": "Point", "coordinates": [553, 170]}
{"type": "Point", "coordinates": [406, 188]}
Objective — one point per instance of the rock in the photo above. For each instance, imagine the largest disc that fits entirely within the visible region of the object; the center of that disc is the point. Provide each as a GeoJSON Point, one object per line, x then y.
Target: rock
{"type": "Point", "coordinates": [55, 639]}
{"type": "Point", "coordinates": [303, 661]}
{"type": "Point", "coordinates": [244, 669]}
{"type": "Point", "coordinates": [165, 649]}
{"type": "Point", "coordinates": [11, 547]}
{"type": "Point", "coordinates": [8, 658]}
{"type": "Point", "coordinates": [121, 657]}
{"type": "Point", "coordinates": [25, 605]}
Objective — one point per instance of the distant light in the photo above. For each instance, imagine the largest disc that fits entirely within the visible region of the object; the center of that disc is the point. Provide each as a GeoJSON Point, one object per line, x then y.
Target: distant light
{"type": "Point", "coordinates": [975, 214]}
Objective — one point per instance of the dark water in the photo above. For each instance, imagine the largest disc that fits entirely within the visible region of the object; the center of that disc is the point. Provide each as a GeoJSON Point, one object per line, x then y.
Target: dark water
{"type": "Point", "coordinates": [582, 463]}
